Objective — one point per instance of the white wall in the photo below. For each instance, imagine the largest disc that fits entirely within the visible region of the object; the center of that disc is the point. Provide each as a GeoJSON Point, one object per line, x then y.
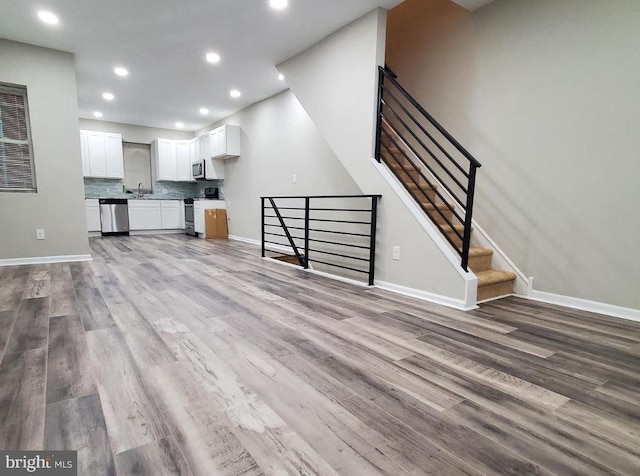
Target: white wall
{"type": "Point", "coordinates": [58, 205]}
{"type": "Point", "coordinates": [544, 93]}
{"type": "Point", "coordinates": [278, 140]}
{"type": "Point", "coordinates": [336, 83]}
{"type": "Point", "coordinates": [132, 133]}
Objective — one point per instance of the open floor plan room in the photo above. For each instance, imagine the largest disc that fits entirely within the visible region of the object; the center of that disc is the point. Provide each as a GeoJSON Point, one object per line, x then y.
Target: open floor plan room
{"type": "Point", "coordinates": [173, 355]}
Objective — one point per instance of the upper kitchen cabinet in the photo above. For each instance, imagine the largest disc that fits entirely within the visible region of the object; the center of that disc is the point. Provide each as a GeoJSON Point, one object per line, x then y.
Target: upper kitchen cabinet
{"type": "Point", "coordinates": [224, 142]}
{"type": "Point", "coordinates": [172, 160]}
{"type": "Point", "coordinates": [183, 161]}
{"type": "Point", "coordinates": [101, 154]}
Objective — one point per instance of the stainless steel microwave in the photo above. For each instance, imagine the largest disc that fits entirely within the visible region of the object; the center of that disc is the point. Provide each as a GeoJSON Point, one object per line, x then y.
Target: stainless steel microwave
{"type": "Point", "coordinates": [198, 170]}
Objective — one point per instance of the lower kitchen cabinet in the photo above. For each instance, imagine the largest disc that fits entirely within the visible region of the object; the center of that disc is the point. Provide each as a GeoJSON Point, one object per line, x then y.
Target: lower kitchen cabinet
{"type": "Point", "coordinates": [92, 207]}
{"type": "Point", "coordinates": [145, 215]}
{"type": "Point", "coordinates": [170, 214]}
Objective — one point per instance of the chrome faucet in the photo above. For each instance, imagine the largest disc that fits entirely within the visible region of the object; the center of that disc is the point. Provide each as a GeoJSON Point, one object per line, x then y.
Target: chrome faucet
{"type": "Point", "coordinates": [140, 190]}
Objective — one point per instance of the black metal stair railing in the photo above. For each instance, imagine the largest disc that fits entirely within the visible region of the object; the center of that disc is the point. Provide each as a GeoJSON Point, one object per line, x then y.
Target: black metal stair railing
{"type": "Point", "coordinates": [332, 218]}
{"type": "Point", "coordinates": [425, 157]}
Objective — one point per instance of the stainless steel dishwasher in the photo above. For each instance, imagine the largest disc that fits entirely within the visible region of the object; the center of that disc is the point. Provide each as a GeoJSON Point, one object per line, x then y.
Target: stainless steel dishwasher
{"type": "Point", "coordinates": [114, 216]}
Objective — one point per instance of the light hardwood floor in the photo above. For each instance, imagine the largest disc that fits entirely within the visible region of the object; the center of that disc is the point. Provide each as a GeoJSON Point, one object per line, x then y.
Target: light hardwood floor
{"type": "Point", "coordinates": [172, 355]}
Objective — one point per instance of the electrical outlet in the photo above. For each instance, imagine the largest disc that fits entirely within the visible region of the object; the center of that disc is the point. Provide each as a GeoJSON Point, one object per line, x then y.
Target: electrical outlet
{"type": "Point", "coordinates": [40, 234]}
{"type": "Point", "coordinates": [396, 253]}
{"type": "Point", "coordinates": [294, 178]}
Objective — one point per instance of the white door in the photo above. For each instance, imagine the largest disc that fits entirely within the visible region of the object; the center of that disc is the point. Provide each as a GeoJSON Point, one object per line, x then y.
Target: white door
{"type": "Point", "coordinates": [114, 156]}
{"type": "Point", "coordinates": [215, 145]}
{"type": "Point", "coordinates": [97, 154]}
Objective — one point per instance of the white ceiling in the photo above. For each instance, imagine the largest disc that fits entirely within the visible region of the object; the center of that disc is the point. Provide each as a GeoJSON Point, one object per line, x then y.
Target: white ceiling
{"type": "Point", "coordinates": [163, 44]}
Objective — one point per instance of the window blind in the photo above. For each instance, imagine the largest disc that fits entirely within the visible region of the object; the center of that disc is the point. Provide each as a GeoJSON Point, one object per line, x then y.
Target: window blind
{"type": "Point", "coordinates": [16, 152]}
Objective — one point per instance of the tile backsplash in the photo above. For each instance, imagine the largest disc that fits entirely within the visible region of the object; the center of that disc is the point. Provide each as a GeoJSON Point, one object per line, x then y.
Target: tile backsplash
{"type": "Point", "coordinates": [108, 188]}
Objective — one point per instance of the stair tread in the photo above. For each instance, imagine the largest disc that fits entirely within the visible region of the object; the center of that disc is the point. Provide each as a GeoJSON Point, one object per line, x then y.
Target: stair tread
{"type": "Point", "coordinates": [493, 276]}
{"type": "Point", "coordinates": [477, 251]}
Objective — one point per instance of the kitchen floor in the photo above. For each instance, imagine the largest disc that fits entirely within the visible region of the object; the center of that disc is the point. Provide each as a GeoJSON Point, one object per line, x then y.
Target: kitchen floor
{"type": "Point", "coordinates": [172, 355]}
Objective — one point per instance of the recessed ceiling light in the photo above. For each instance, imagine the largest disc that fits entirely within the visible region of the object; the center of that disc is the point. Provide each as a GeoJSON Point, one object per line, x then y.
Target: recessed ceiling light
{"type": "Point", "coordinates": [279, 4]}
{"type": "Point", "coordinates": [281, 77]}
{"type": "Point", "coordinates": [98, 114]}
{"type": "Point", "coordinates": [213, 58]}
{"type": "Point", "coordinates": [204, 111]}
{"type": "Point", "coordinates": [48, 17]}
{"type": "Point", "coordinates": [108, 96]}
{"type": "Point", "coordinates": [120, 71]}
{"type": "Point", "coordinates": [179, 125]}
{"type": "Point", "coordinates": [234, 93]}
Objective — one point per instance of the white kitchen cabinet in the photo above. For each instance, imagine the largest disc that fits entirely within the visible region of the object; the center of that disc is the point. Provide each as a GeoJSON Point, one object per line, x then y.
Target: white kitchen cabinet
{"type": "Point", "coordinates": [101, 154]}
{"type": "Point", "coordinates": [224, 142]}
{"type": "Point", "coordinates": [214, 169]}
{"type": "Point", "coordinates": [172, 160]}
{"type": "Point", "coordinates": [170, 213]}
{"type": "Point", "coordinates": [145, 215]}
{"type": "Point", "coordinates": [199, 206]}
{"type": "Point", "coordinates": [92, 207]}
{"type": "Point", "coordinates": [114, 155]}
{"type": "Point", "coordinates": [165, 159]}
{"type": "Point", "coordinates": [97, 154]}
{"type": "Point", "coordinates": [84, 152]}
{"type": "Point", "coordinates": [183, 161]}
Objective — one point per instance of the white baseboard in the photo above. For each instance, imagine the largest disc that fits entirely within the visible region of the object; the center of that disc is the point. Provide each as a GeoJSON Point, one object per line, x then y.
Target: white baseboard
{"type": "Point", "coordinates": [426, 296]}
{"type": "Point", "coordinates": [44, 260]}
{"type": "Point", "coordinates": [245, 240]}
{"type": "Point", "coordinates": [584, 305]}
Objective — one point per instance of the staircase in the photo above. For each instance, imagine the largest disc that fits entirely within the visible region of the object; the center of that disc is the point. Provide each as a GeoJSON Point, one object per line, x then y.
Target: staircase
{"type": "Point", "coordinates": [440, 176]}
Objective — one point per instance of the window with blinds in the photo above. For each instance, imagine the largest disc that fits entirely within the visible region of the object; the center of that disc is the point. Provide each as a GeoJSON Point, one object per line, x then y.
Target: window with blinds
{"type": "Point", "coordinates": [16, 152]}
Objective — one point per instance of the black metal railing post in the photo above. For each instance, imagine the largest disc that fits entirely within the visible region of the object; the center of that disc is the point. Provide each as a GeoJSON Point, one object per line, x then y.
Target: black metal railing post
{"type": "Point", "coordinates": [372, 245]}
{"type": "Point", "coordinates": [379, 118]}
{"type": "Point", "coordinates": [466, 239]}
{"type": "Point", "coordinates": [306, 232]}
{"type": "Point", "coordinates": [263, 237]}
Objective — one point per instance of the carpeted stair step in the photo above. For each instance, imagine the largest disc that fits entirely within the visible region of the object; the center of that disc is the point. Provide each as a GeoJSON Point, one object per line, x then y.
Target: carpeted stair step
{"type": "Point", "coordinates": [480, 259]}
{"type": "Point", "coordinates": [445, 208]}
{"type": "Point", "coordinates": [494, 283]}
{"type": "Point", "coordinates": [449, 231]}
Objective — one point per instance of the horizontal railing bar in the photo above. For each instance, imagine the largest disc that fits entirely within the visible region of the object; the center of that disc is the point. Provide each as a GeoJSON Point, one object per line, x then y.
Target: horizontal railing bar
{"type": "Point", "coordinates": [442, 166]}
{"type": "Point", "coordinates": [449, 222]}
{"type": "Point", "coordinates": [329, 231]}
{"type": "Point", "coordinates": [288, 218]}
{"type": "Point", "coordinates": [437, 192]}
{"type": "Point", "coordinates": [430, 118]}
{"type": "Point", "coordinates": [368, 210]}
{"type": "Point", "coordinates": [340, 255]}
{"type": "Point", "coordinates": [397, 101]}
{"type": "Point", "coordinates": [284, 236]}
{"type": "Point", "coordinates": [341, 244]}
{"type": "Point", "coordinates": [284, 208]}
{"type": "Point", "coordinates": [323, 196]}
{"type": "Point", "coordinates": [339, 266]}
{"type": "Point", "coordinates": [341, 221]}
